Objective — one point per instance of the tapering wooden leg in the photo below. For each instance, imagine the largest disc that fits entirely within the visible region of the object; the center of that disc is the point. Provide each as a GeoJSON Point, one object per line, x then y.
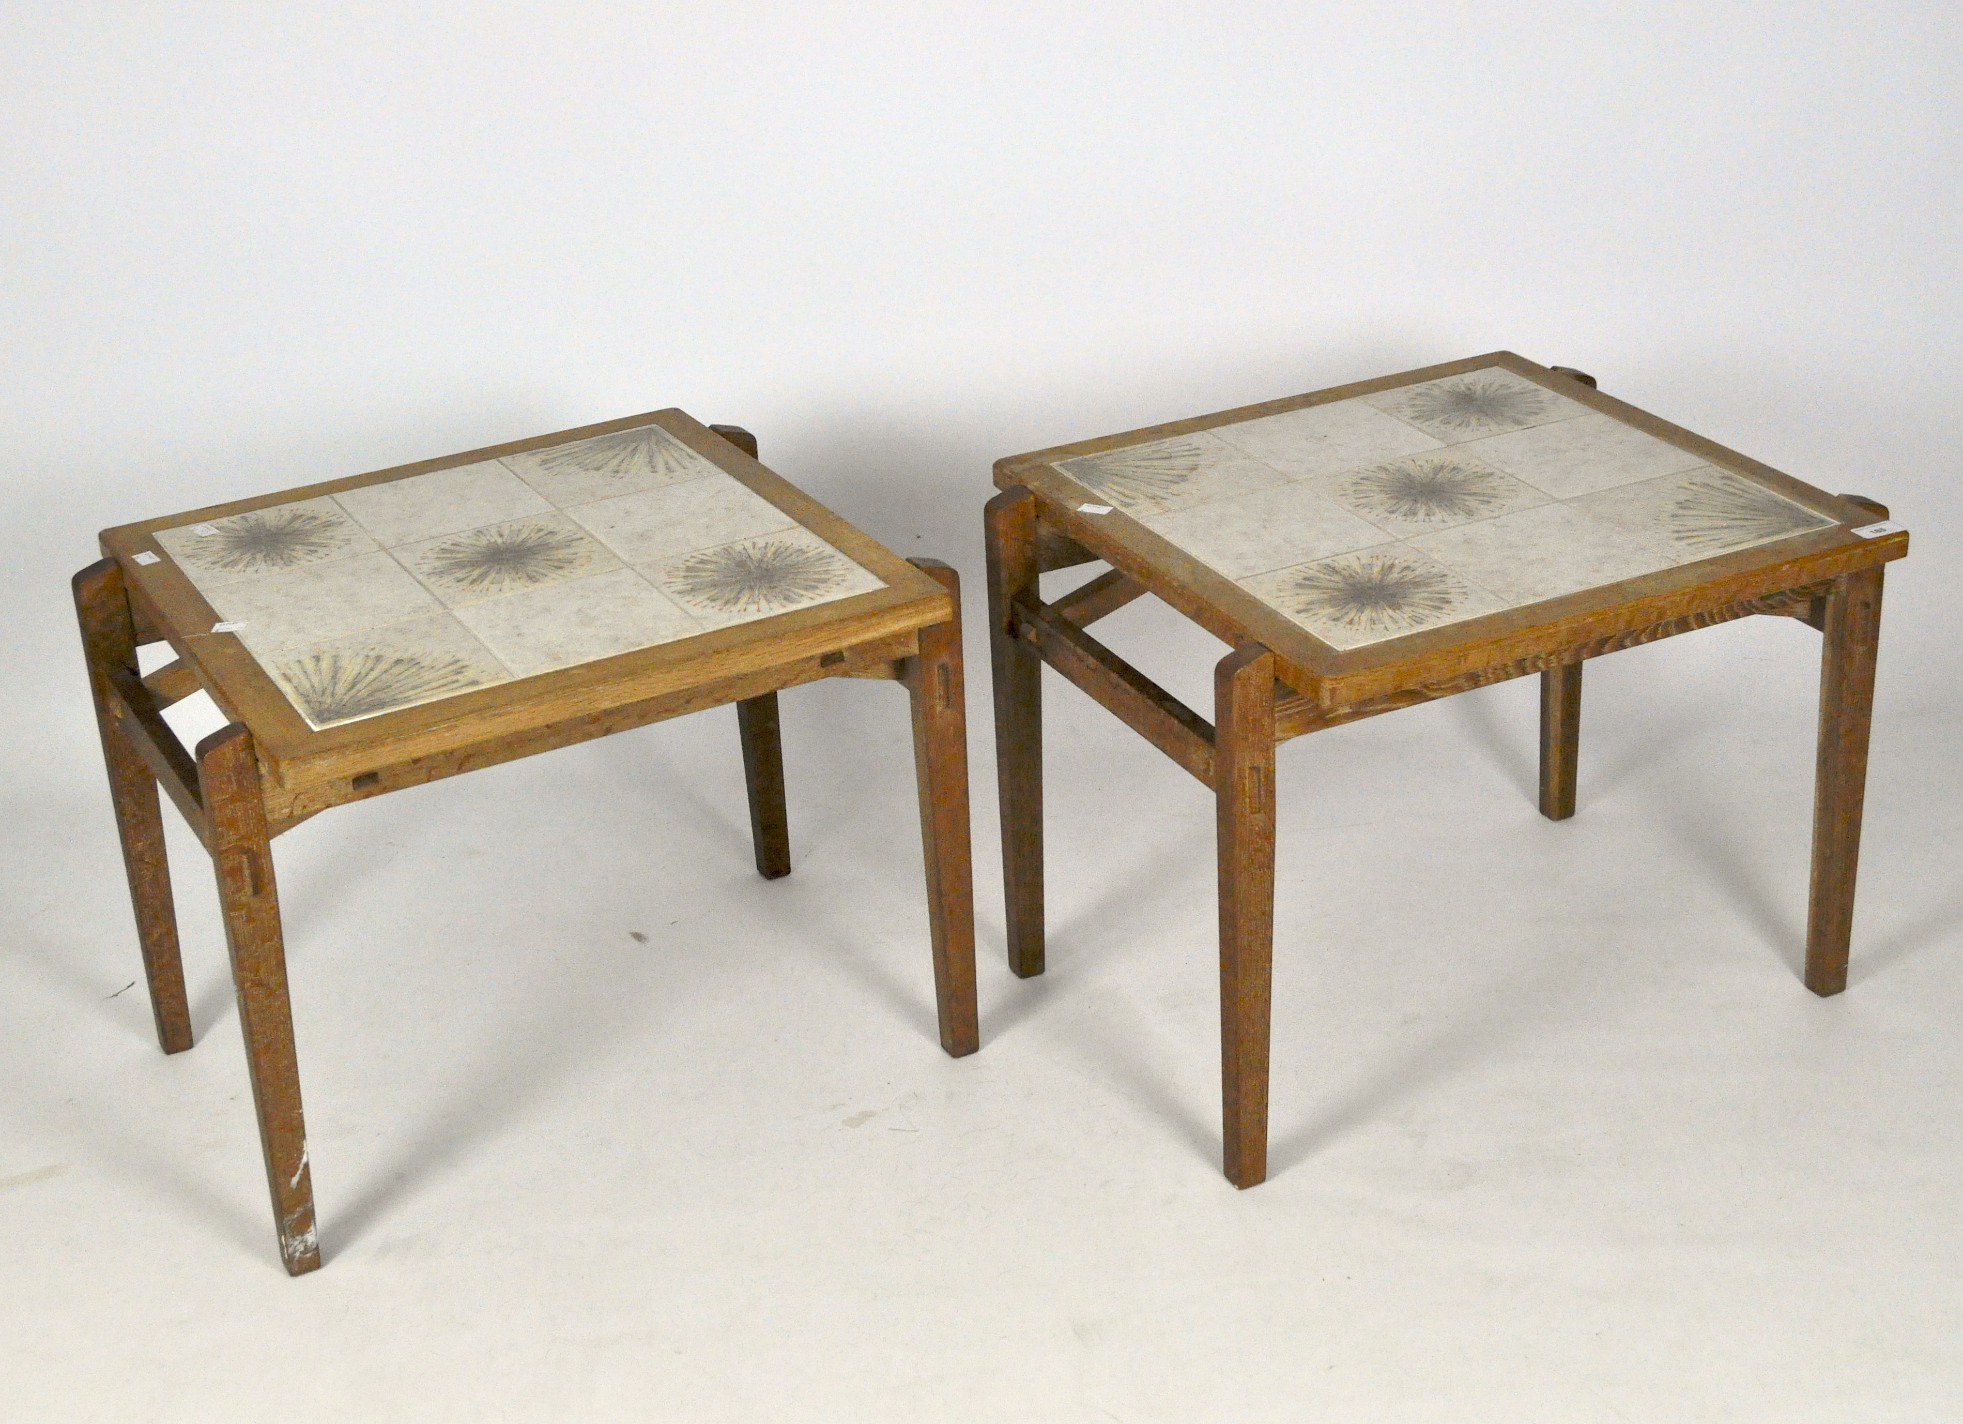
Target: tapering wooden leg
{"type": "Point", "coordinates": [109, 641]}
{"type": "Point", "coordinates": [228, 774]}
{"type": "Point", "coordinates": [763, 770]}
{"type": "Point", "coordinates": [1853, 627]}
{"type": "Point", "coordinates": [940, 757]}
{"type": "Point", "coordinates": [763, 746]}
{"type": "Point", "coordinates": [1244, 798]}
{"type": "Point", "coordinates": [1012, 573]}
{"type": "Point", "coordinates": [1560, 739]}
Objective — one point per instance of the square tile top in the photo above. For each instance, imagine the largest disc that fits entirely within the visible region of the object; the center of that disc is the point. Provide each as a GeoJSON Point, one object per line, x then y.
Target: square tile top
{"type": "Point", "coordinates": [1428, 501]}
{"type": "Point", "coordinates": [380, 596]}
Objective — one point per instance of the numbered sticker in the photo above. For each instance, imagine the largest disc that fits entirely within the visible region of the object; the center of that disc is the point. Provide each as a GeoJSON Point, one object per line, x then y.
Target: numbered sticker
{"type": "Point", "coordinates": [146, 557]}
{"type": "Point", "coordinates": [1875, 531]}
{"type": "Point", "coordinates": [226, 627]}
{"type": "Point", "coordinates": [1093, 509]}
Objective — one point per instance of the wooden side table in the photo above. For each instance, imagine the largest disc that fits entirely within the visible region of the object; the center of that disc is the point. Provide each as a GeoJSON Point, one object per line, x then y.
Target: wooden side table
{"type": "Point", "coordinates": [1383, 544]}
{"type": "Point", "coordinates": [378, 632]}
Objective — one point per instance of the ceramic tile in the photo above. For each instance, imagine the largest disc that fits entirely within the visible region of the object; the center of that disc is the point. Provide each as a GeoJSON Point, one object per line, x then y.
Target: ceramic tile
{"type": "Point", "coordinates": [383, 669]}
{"type": "Point", "coordinates": [285, 536]}
{"type": "Point", "coordinates": [762, 577]}
{"type": "Point", "coordinates": [1169, 474]}
{"type": "Point", "coordinates": [319, 601]}
{"type": "Point", "coordinates": [442, 502]}
{"type": "Point", "coordinates": [650, 528]}
{"type": "Point", "coordinates": [626, 462]}
{"type": "Point", "coordinates": [1372, 594]}
{"type": "Point", "coordinates": [1477, 403]}
{"type": "Point", "coordinates": [1545, 553]}
{"type": "Point", "coordinates": [579, 622]}
{"type": "Point", "coordinates": [1704, 512]}
{"type": "Point", "coordinates": [1574, 457]}
{"type": "Point", "coordinates": [1321, 438]}
{"type": "Point", "coordinates": [501, 559]}
{"type": "Point", "coordinates": [1420, 493]}
{"type": "Point", "coordinates": [1287, 524]}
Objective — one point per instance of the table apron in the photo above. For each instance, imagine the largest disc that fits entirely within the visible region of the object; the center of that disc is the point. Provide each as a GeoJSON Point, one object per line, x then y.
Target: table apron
{"type": "Point", "coordinates": [296, 791]}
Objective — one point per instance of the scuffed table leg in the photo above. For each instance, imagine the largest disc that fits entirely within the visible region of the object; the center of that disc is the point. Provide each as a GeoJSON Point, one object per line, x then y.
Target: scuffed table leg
{"type": "Point", "coordinates": [228, 769]}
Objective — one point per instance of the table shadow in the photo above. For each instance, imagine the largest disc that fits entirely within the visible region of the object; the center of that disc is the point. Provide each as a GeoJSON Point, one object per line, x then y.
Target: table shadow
{"type": "Point", "coordinates": [1510, 1013]}
{"type": "Point", "coordinates": [518, 1068]}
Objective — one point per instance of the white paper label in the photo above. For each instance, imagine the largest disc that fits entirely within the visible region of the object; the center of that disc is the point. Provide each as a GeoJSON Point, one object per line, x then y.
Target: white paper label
{"type": "Point", "coordinates": [1875, 531]}
{"type": "Point", "coordinates": [146, 557]}
{"type": "Point", "coordinates": [203, 529]}
{"type": "Point", "coordinates": [1093, 509]}
{"type": "Point", "coordinates": [226, 627]}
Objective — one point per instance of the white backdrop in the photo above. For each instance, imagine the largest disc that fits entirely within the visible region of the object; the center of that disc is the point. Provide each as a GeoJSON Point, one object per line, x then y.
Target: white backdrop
{"type": "Point", "coordinates": [248, 246]}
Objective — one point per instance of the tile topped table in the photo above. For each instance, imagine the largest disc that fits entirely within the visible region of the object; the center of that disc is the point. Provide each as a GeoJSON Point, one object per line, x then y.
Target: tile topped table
{"type": "Point", "coordinates": [376, 632]}
{"type": "Point", "coordinates": [1389, 543]}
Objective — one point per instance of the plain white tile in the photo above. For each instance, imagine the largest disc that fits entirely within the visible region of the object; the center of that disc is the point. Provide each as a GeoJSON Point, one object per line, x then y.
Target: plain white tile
{"type": "Point", "coordinates": [1170, 474]}
{"type": "Point", "coordinates": [441, 502]}
{"type": "Point", "coordinates": [1285, 524]}
{"type": "Point", "coordinates": [579, 622]}
{"type": "Point", "coordinates": [1320, 438]}
{"type": "Point", "coordinates": [1545, 553]}
{"type": "Point", "coordinates": [1590, 452]}
{"type": "Point", "coordinates": [308, 604]}
{"type": "Point", "coordinates": [649, 528]}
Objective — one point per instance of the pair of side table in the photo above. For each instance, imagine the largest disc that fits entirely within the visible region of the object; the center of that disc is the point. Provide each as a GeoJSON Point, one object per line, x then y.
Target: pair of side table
{"type": "Point", "coordinates": [1358, 550]}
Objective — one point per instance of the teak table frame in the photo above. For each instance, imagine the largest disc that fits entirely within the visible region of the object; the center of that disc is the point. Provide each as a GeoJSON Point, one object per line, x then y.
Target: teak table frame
{"type": "Point", "coordinates": [267, 771]}
{"type": "Point", "coordinates": [1279, 682]}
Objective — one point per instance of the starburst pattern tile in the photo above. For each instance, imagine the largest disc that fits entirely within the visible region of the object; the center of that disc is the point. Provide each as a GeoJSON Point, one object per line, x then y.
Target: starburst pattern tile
{"type": "Point", "coordinates": [383, 669]}
{"type": "Point", "coordinates": [289, 536]}
{"type": "Point", "coordinates": [756, 578]}
{"type": "Point", "coordinates": [393, 595]}
{"type": "Point", "coordinates": [1167, 474]}
{"type": "Point", "coordinates": [506, 558]}
{"type": "Point", "coordinates": [626, 462]}
{"type": "Point", "coordinates": [1430, 491]}
{"type": "Point", "coordinates": [1430, 504]}
{"type": "Point", "coordinates": [1373, 594]}
{"type": "Point", "coordinates": [1478, 403]}
{"type": "Point", "coordinates": [1704, 512]}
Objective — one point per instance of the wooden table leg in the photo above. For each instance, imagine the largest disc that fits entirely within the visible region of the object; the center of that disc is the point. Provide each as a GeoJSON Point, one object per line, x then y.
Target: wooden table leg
{"type": "Point", "coordinates": [1560, 739]}
{"type": "Point", "coordinates": [763, 746]}
{"type": "Point", "coordinates": [1010, 523]}
{"type": "Point", "coordinates": [1853, 627]}
{"type": "Point", "coordinates": [763, 771]}
{"type": "Point", "coordinates": [940, 756]}
{"type": "Point", "coordinates": [228, 773]}
{"type": "Point", "coordinates": [1244, 798]}
{"type": "Point", "coordinates": [109, 641]}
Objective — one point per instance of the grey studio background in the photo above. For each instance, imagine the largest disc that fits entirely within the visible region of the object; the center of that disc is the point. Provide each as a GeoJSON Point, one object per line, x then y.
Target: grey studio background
{"type": "Point", "coordinates": [604, 1126]}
